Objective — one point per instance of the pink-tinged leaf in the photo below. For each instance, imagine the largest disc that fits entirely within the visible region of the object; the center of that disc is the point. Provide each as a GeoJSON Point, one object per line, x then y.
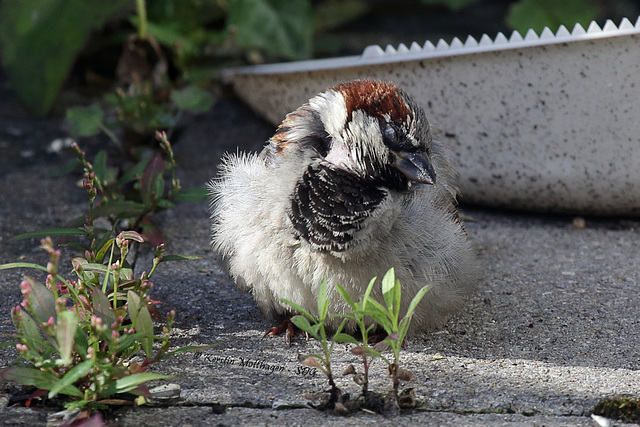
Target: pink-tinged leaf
{"type": "Point", "coordinates": [96, 420]}
{"type": "Point", "coordinates": [35, 395]}
{"type": "Point", "coordinates": [35, 377]}
{"type": "Point", "coordinates": [65, 335]}
{"type": "Point", "coordinates": [132, 235]}
{"type": "Point", "coordinates": [148, 181]}
{"type": "Point", "coordinates": [392, 337]}
{"type": "Point", "coordinates": [365, 351]}
{"type": "Point", "coordinates": [381, 346]}
{"type": "Point", "coordinates": [142, 390]}
{"type": "Point", "coordinates": [101, 307]}
{"type": "Point", "coordinates": [41, 300]}
{"type": "Point", "coordinates": [151, 233]}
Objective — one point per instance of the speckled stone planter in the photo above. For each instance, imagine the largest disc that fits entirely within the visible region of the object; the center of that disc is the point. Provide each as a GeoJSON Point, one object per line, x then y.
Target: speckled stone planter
{"type": "Point", "coordinates": [541, 123]}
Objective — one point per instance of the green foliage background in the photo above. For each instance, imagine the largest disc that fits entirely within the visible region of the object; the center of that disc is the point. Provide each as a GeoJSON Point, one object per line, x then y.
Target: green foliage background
{"type": "Point", "coordinates": [41, 39]}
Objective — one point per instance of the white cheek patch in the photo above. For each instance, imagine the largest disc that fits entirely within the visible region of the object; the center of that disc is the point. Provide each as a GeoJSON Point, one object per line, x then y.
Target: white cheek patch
{"type": "Point", "coordinates": [332, 109]}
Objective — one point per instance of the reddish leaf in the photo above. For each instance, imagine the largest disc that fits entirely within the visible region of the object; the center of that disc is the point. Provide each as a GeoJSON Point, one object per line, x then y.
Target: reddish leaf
{"type": "Point", "coordinates": [154, 168]}
{"type": "Point", "coordinates": [36, 395]}
{"type": "Point", "coordinates": [154, 312]}
{"type": "Point", "coordinates": [151, 233]}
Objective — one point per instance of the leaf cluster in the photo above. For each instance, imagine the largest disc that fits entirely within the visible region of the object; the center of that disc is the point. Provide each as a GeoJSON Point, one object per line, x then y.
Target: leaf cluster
{"type": "Point", "coordinates": [127, 196]}
{"type": "Point", "coordinates": [79, 338]}
{"type": "Point", "coordinates": [194, 32]}
{"type": "Point", "coordinates": [366, 313]}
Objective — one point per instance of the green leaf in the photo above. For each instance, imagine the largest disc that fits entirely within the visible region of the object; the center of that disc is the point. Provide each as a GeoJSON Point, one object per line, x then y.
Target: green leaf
{"type": "Point", "coordinates": [180, 258]}
{"type": "Point", "coordinates": [102, 308]}
{"type": "Point", "coordinates": [454, 5]}
{"type": "Point", "coordinates": [193, 98]}
{"type": "Point", "coordinates": [81, 343]}
{"type": "Point", "coordinates": [416, 300]}
{"type": "Point", "coordinates": [119, 208]}
{"type": "Point", "coordinates": [85, 121]}
{"type": "Point", "coordinates": [397, 298]}
{"type": "Point", "coordinates": [302, 323]}
{"type": "Point", "coordinates": [39, 41]}
{"type": "Point", "coordinates": [28, 330]}
{"type": "Point", "coordinates": [334, 13]}
{"type": "Point", "coordinates": [35, 377]}
{"type": "Point", "coordinates": [537, 14]}
{"type": "Point", "coordinates": [195, 194]}
{"type": "Point", "coordinates": [130, 382]}
{"type": "Point", "coordinates": [134, 173]}
{"type": "Point", "coordinates": [100, 165]}
{"type": "Point", "coordinates": [323, 303]}
{"type": "Point", "coordinates": [50, 232]}
{"type": "Point", "coordinates": [65, 335]}
{"type": "Point", "coordinates": [74, 374]}
{"type": "Point", "coordinates": [279, 27]}
{"type": "Point", "coordinates": [365, 297]}
{"type": "Point", "coordinates": [158, 190]}
{"type": "Point", "coordinates": [141, 320]}
{"type": "Point", "coordinates": [91, 266]}
{"type": "Point", "coordinates": [41, 300]}
{"type": "Point", "coordinates": [299, 309]}
{"type": "Point", "coordinates": [127, 341]}
{"type": "Point", "coordinates": [388, 284]}
{"type": "Point", "coordinates": [165, 204]}
{"type": "Point", "coordinates": [104, 249]}
{"type": "Point", "coordinates": [346, 297]}
{"type": "Point", "coordinates": [342, 337]}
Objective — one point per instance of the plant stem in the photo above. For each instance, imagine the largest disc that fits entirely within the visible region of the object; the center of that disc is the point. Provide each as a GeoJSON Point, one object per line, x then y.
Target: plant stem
{"type": "Point", "coordinates": [141, 8]}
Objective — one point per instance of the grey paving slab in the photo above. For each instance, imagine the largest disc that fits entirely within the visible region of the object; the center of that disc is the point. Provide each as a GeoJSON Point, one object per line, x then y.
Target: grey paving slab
{"type": "Point", "coordinates": [552, 328]}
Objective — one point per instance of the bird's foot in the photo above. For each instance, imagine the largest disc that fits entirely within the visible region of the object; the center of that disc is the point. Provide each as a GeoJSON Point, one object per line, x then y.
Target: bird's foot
{"type": "Point", "coordinates": [287, 327]}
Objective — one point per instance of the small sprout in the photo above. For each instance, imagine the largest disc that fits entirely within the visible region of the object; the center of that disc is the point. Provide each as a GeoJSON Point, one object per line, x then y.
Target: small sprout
{"type": "Point", "coordinates": [365, 313]}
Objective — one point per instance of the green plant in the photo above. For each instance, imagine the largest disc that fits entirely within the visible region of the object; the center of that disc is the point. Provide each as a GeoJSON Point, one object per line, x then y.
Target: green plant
{"type": "Point", "coordinates": [125, 197]}
{"type": "Point", "coordinates": [196, 34]}
{"type": "Point", "coordinates": [537, 14]}
{"type": "Point", "coordinates": [452, 4]}
{"type": "Point", "coordinates": [80, 338]}
{"type": "Point", "coordinates": [316, 328]}
{"type": "Point", "coordinates": [357, 315]}
{"type": "Point", "coordinates": [388, 317]}
{"type": "Point", "coordinates": [365, 314]}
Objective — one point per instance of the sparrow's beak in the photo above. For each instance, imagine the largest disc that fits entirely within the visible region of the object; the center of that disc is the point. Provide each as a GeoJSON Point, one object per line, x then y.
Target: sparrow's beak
{"type": "Point", "coordinates": [416, 167]}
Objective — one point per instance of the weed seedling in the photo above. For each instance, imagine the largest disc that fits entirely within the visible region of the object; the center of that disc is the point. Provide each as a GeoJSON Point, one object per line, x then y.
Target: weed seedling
{"type": "Point", "coordinates": [316, 328]}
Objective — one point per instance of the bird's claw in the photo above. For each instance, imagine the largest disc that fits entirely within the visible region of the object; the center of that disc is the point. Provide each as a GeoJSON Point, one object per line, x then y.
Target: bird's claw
{"type": "Point", "coordinates": [287, 327]}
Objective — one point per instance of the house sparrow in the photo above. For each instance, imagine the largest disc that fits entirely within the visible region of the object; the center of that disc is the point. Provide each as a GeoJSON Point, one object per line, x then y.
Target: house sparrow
{"type": "Point", "coordinates": [350, 185]}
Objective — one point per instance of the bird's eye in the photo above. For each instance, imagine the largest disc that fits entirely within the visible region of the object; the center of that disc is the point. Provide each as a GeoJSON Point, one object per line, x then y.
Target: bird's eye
{"type": "Point", "coordinates": [389, 133]}
{"type": "Point", "coordinates": [394, 138]}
